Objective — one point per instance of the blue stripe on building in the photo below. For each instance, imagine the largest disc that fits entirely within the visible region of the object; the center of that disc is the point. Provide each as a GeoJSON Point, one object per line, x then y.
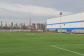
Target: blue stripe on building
{"type": "Point", "coordinates": [68, 29]}
{"type": "Point", "coordinates": [66, 22]}
{"type": "Point", "coordinates": [63, 28]}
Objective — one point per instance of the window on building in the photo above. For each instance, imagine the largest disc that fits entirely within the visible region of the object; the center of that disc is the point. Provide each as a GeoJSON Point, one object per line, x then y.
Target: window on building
{"type": "Point", "coordinates": [64, 24]}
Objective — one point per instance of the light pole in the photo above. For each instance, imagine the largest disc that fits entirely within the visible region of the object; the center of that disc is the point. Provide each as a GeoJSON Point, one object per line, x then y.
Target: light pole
{"type": "Point", "coordinates": [30, 22]}
{"type": "Point", "coordinates": [30, 26]}
{"type": "Point", "coordinates": [1, 24]}
{"type": "Point", "coordinates": [60, 21]}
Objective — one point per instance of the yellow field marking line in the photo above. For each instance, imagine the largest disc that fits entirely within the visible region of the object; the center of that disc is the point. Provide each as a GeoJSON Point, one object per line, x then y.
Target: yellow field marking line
{"type": "Point", "coordinates": [67, 50]}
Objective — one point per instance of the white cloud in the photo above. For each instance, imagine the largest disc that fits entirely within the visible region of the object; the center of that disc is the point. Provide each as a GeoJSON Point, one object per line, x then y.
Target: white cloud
{"type": "Point", "coordinates": [21, 13]}
{"type": "Point", "coordinates": [36, 10]}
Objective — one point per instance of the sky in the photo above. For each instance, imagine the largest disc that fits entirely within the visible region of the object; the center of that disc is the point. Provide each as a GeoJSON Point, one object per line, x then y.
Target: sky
{"type": "Point", "coordinates": [37, 10]}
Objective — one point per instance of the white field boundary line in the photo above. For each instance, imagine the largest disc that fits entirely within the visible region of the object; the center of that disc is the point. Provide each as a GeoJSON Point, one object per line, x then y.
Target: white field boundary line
{"type": "Point", "coordinates": [67, 50]}
{"type": "Point", "coordinates": [72, 44]}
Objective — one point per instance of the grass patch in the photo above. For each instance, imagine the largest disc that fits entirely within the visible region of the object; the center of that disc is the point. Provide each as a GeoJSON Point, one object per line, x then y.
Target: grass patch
{"type": "Point", "coordinates": [39, 44]}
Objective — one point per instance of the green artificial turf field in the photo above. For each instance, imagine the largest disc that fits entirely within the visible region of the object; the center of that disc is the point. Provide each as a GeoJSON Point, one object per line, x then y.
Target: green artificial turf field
{"type": "Point", "coordinates": [41, 44]}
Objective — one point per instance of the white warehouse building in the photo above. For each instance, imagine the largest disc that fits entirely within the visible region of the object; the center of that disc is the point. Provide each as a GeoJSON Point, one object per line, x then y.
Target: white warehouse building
{"type": "Point", "coordinates": [69, 23]}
